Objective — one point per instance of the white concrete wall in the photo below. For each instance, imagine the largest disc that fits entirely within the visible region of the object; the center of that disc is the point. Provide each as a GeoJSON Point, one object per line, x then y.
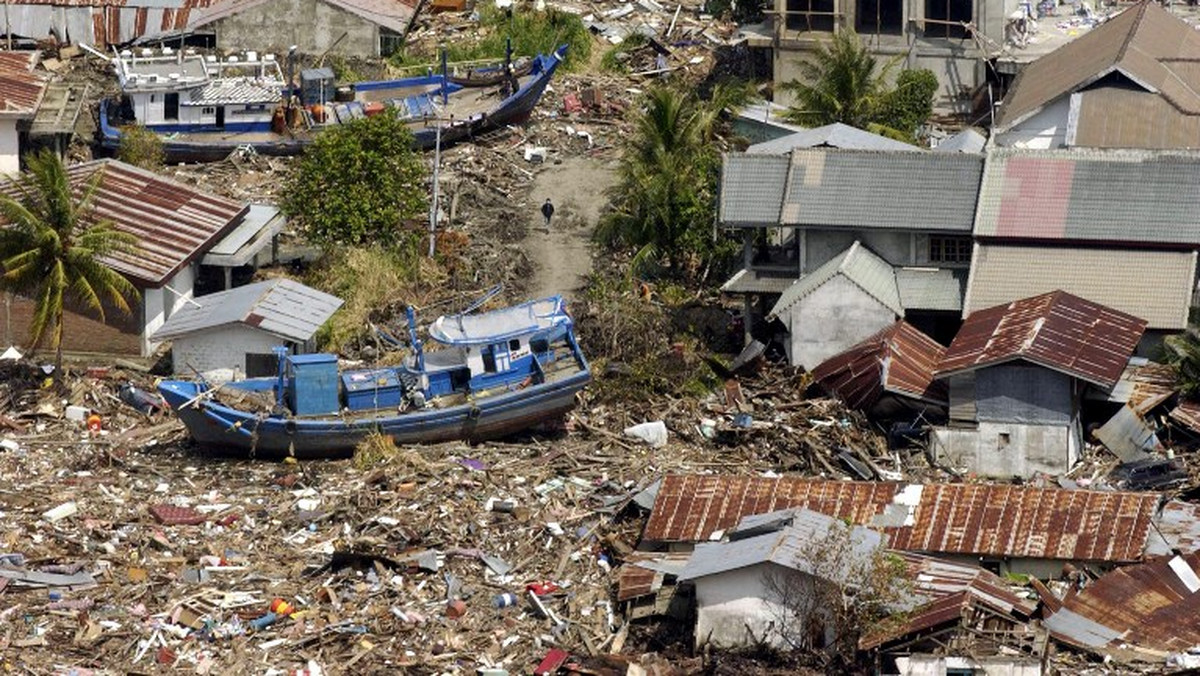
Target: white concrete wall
{"type": "Point", "coordinates": [160, 304]}
{"type": "Point", "coordinates": [736, 608]}
{"type": "Point", "coordinates": [1047, 129]}
{"type": "Point", "coordinates": [935, 665]}
{"type": "Point", "coordinates": [831, 319]}
{"type": "Point", "coordinates": [10, 147]}
{"type": "Point", "coordinates": [1029, 449]}
{"type": "Point", "coordinates": [221, 348]}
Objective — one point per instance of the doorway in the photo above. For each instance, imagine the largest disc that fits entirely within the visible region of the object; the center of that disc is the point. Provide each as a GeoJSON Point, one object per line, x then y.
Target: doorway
{"type": "Point", "coordinates": [220, 117]}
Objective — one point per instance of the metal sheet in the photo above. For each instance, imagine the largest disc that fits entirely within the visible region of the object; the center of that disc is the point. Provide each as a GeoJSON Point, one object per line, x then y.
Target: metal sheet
{"type": "Point", "coordinates": [900, 359]}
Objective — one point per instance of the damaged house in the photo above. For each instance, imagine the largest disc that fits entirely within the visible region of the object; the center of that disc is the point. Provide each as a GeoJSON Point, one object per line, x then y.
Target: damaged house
{"type": "Point", "coordinates": [1016, 375]}
{"type": "Point", "coordinates": [834, 263]}
{"type": "Point", "coordinates": [1128, 83]}
{"type": "Point", "coordinates": [1119, 228]}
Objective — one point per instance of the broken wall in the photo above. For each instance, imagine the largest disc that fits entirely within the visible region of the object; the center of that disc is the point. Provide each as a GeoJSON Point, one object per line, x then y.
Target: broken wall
{"type": "Point", "coordinates": [1006, 450]}
{"type": "Point", "coordinates": [939, 665]}
{"type": "Point", "coordinates": [312, 25]}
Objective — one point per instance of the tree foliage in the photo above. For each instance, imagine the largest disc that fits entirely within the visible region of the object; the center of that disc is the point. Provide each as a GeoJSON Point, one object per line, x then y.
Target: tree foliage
{"type": "Point", "coordinates": [51, 250]}
{"type": "Point", "coordinates": [664, 201]}
{"type": "Point", "coordinates": [1183, 353]}
{"type": "Point", "coordinates": [357, 184]}
{"type": "Point", "coordinates": [843, 82]}
{"type": "Point", "coordinates": [141, 147]}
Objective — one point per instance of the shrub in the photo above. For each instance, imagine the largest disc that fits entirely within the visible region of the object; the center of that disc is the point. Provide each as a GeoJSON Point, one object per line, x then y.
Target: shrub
{"type": "Point", "coordinates": [141, 148]}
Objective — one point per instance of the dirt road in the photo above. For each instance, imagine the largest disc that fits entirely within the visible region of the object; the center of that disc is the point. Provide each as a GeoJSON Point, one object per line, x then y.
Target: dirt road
{"type": "Point", "coordinates": [563, 256]}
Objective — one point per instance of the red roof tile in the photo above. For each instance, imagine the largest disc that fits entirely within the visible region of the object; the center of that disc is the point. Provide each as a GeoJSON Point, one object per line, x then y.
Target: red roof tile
{"type": "Point", "coordinates": [1056, 330]}
{"type": "Point", "coordinates": [980, 520]}
{"type": "Point", "coordinates": [899, 359]}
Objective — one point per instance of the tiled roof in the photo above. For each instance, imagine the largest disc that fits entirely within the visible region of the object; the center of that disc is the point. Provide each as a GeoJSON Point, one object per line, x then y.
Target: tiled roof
{"type": "Point", "coordinates": [1130, 197]}
{"type": "Point", "coordinates": [1146, 44]}
{"type": "Point", "coordinates": [172, 222]}
{"type": "Point", "coordinates": [1153, 285]}
{"type": "Point", "coordinates": [978, 520]}
{"type": "Point", "coordinates": [858, 264]}
{"type": "Point", "coordinates": [280, 307]}
{"type": "Point", "coordinates": [1056, 330]}
{"type": "Point", "coordinates": [899, 359]}
{"type": "Point", "coordinates": [752, 188]}
{"type": "Point", "coordinates": [21, 89]}
{"type": "Point", "coordinates": [931, 288]}
{"type": "Point", "coordinates": [836, 135]}
{"type": "Point", "coordinates": [884, 190]}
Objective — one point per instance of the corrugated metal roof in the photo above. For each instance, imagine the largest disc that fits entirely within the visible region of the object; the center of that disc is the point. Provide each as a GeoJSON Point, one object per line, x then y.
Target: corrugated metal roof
{"type": "Point", "coordinates": [836, 135]}
{"type": "Point", "coordinates": [980, 520]}
{"type": "Point", "coordinates": [793, 546]}
{"type": "Point", "coordinates": [173, 223]}
{"type": "Point", "coordinates": [644, 573]}
{"type": "Point", "coordinates": [1116, 196]}
{"type": "Point", "coordinates": [1153, 285]}
{"type": "Point", "coordinates": [1137, 43]}
{"type": "Point", "coordinates": [227, 92]}
{"type": "Point", "coordinates": [899, 359]}
{"type": "Point", "coordinates": [21, 90]}
{"type": "Point", "coordinates": [931, 288]}
{"type": "Point", "coordinates": [882, 190]}
{"type": "Point", "coordinates": [969, 140]}
{"type": "Point", "coordinates": [752, 188]}
{"type": "Point", "coordinates": [391, 14]}
{"type": "Point", "coordinates": [1116, 117]}
{"type": "Point", "coordinates": [860, 265]}
{"type": "Point", "coordinates": [1056, 330]}
{"type": "Point", "coordinates": [754, 281]}
{"type": "Point", "coordinates": [1141, 612]}
{"type": "Point", "coordinates": [281, 307]}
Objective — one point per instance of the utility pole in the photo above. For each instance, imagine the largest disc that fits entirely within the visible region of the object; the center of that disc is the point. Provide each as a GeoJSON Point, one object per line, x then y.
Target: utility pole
{"type": "Point", "coordinates": [433, 207]}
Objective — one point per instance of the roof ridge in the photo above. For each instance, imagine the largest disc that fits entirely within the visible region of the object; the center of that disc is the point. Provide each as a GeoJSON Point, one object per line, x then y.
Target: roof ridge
{"type": "Point", "coordinates": [1137, 25]}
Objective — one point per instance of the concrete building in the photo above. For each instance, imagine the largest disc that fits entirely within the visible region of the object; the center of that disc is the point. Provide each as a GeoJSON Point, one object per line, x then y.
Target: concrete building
{"type": "Point", "coordinates": [174, 225]}
{"type": "Point", "coordinates": [1016, 375]}
{"type": "Point", "coordinates": [771, 581]}
{"type": "Point", "coordinates": [236, 330]}
{"type": "Point", "coordinates": [1120, 228]}
{"type": "Point", "coordinates": [800, 211]}
{"type": "Point", "coordinates": [21, 93]}
{"type": "Point", "coordinates": [362, 28]}
{"type": "Point", "coordinates": [1126, 84]}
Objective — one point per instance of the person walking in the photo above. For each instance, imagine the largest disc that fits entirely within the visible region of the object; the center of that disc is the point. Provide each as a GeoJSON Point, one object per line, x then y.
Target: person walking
{"type": "Point", "coordinates": [548, 212]}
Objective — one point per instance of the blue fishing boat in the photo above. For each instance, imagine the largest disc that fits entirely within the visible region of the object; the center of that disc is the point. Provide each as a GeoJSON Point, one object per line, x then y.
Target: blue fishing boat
{"type": "Point", "coordinates": [204, 107]}
{"type": "Point", "coordinates": [496, 373]}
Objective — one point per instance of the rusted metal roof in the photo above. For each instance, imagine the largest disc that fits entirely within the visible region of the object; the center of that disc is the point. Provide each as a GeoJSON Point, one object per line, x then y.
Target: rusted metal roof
{"type": "Point", "coordinates": [172, 222]}
{"type": "Point", "coordinates": [21, 89]}
{"type": "Point", "coordinates": [1056, 330]}
{"type": "Point", "coordinates": [899, 359]}
{"type": "Point", "coordinates": [1141, 612]}
{"type": "Point", "coordinates": [644, 573]}
{"type": "Point", "coordinates": [1145, 44]}
{"type": "Point", "coordinates": [980, 520]}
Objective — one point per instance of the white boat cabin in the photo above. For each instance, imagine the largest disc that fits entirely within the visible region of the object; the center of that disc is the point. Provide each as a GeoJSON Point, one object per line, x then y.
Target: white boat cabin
{"type": "Point", "coordinates": [172, 91]}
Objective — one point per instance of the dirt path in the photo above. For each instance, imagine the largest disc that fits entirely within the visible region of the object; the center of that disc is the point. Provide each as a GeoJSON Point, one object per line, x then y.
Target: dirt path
{"type": "Point", "coordinates": [563, 256]}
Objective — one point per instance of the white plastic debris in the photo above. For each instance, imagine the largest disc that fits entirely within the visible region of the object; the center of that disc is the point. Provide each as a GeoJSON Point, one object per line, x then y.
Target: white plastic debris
{"type": "Point", "coordinates": [60, 512]}
{"type": "Point", "coordinates": [78, 413]}
{"type": "Point", "coordinates": [653, 433]}
{"type": "Point", "coordinates": [11, 354]}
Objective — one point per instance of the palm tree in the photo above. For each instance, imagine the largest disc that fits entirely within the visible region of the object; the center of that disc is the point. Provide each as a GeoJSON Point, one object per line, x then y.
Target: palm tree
{"type": "Point", "coordinates": [840, 82]}
{"type": "Point", "coordinates": [663, 205]}
{"type": "Point", "coordinates": [51, 250]}
{"type": "Point", "coordinates": [1183, 353]}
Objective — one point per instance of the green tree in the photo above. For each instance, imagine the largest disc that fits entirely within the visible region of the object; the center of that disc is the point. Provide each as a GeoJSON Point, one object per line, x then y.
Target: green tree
{"type": "Point", "coordinates": [1183, 354]}
{"type": "Point", "coordinates": [843, 82]}
{"type": "Point", "coordinates": [52, 249]}
{"type": "Point", "coordinates": [358, 183]}
{"type": "Point", "coordinates": [141, 148]}
{"type": "Point", "coordinates": [664, 199]}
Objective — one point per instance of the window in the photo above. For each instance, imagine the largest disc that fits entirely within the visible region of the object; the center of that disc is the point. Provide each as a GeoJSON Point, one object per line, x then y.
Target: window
{"type": "Point", "coordinates": [954, 13]}
{"type": "Point", "coordinates": [949, 249]}
{"type": "Point", "coordinates": [514, 345]}
{"type": "Point", "coordinates": [880, 17]}
{"type": "Point", "coordinates": [810, 15]}
{"type": "Point", "coordinates": [1003, 440]}
{"type": "Point", "coordinates": [208, 111]}
{"type": "Point", "coordinates": [153, 98]}
{"type": "Point", "coordinates": [489, 359]}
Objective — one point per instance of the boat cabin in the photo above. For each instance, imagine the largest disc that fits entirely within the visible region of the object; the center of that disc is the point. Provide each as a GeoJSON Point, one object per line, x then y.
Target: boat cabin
{"type": "Point", "coordinates": [172, 91]}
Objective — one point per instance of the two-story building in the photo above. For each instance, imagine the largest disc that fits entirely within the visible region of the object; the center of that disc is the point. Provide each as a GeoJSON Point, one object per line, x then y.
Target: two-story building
{"type": "Point", "coordinates": [886, 231]}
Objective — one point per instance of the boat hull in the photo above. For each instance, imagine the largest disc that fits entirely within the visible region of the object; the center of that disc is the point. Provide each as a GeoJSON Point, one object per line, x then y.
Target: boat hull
{"type": "Point", "coordinates": [514, 110]}
{"type": "Point", "coordinates": [229, 430]}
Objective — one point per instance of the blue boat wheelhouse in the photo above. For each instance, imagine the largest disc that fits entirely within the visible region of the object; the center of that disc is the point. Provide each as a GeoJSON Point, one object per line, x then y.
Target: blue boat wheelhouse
{"type": "Point", "coordinates": [494, 373]}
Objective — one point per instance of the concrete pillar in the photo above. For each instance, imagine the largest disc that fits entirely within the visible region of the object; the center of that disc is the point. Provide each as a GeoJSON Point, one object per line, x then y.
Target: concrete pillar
{"type": "Point", "coordinates": [228, 278]}
{"type": "Point", "coordinates": [747, 247]}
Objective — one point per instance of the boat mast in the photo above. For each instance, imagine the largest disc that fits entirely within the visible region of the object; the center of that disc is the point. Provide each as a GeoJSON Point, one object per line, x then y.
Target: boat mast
{"type": "Point", "coordinates": [433, 207]}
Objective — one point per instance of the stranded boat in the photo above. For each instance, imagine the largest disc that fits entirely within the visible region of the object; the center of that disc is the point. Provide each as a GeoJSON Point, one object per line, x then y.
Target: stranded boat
{"type": "Point", "coordinates": [205, 107]}
{"type": "Point", "coordinates": [497, 373]}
